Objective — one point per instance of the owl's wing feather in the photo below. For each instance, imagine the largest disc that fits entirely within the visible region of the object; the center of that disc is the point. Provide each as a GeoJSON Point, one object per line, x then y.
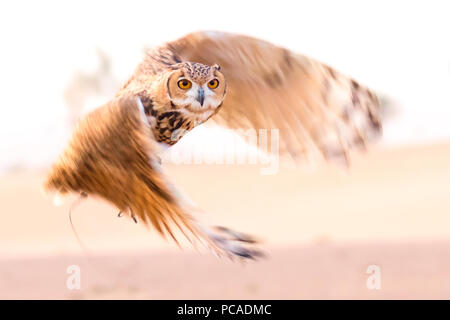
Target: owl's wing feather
{"type": "Point", "coordinates": [314, 107]}
{"type": "Point", "coordinates": [112, 155]}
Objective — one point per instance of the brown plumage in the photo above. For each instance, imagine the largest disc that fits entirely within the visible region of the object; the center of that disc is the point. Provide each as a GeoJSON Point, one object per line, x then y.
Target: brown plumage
{"type": "Point", "coordinates": [113, 152]}
{"type": "Point", "coordinates": [112, 155]}
{"type": "Point", "coordinates": [315, 107]}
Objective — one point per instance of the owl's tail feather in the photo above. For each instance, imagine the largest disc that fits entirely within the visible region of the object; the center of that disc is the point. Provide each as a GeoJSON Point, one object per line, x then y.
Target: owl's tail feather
{"type": "Point", "coordinates": [112, 155]}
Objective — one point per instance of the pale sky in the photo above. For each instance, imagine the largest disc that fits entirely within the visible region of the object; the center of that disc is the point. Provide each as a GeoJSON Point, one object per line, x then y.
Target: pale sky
{"type": "Point", "coordinates": [401, 48]}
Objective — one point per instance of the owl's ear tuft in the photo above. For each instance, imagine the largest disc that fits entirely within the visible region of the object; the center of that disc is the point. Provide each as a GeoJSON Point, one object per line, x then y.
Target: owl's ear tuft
{"type": "Point", "coordinates": [217, 67]}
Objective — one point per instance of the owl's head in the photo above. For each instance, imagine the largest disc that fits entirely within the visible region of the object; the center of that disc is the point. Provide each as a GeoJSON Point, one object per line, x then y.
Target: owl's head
{"type": "Point", "coordinates": [196, 87]}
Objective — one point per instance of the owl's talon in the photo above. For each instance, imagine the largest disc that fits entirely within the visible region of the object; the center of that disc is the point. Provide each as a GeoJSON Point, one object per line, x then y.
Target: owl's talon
{"type": "Point", "coordinates": [120, 214]}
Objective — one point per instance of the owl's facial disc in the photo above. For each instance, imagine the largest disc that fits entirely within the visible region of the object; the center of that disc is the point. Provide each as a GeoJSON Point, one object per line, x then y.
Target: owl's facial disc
{"type": "Point", "coordinates": [197, 97]}
{"type": "Point", "coordinates": [197, 88]}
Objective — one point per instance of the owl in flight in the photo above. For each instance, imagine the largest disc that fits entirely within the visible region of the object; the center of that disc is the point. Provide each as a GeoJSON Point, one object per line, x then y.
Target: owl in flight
{"type": "Point", "coordinates": [239, 81]}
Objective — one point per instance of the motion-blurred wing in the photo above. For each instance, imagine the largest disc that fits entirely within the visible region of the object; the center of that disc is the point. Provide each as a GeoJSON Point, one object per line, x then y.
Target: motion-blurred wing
{"type": "Point", "coordinates": [314, 107]}
{"type": "Point", "coordinates": [111, 155]}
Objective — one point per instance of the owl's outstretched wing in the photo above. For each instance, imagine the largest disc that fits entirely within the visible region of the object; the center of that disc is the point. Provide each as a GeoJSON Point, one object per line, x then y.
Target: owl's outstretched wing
{"type": "Point", "coordinates": [315, 107]}
{"type": "Point", "coordinates": [112, 155]}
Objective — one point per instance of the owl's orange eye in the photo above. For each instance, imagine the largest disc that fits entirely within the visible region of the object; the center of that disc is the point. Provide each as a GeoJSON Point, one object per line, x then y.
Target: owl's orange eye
{"type": "Point", "coordinates": [184, 84]}
{"type": "Point", "coordinates": [213, 84]}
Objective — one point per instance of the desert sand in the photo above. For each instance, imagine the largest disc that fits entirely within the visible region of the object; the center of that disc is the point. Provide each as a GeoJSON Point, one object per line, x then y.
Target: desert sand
{"type": "Point", "coordinates": [320, 231]}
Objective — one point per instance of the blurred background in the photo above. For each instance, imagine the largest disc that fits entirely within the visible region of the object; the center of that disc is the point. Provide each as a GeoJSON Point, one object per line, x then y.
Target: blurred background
{"type": "Point", "coordinates": [321, 228]}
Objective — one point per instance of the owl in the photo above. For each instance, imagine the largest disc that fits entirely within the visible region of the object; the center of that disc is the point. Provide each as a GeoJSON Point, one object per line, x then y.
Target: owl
{"type": "Point", "coordinates": [237, 81]}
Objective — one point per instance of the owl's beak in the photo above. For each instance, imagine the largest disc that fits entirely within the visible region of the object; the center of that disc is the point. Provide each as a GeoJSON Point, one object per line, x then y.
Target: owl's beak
{"type": "Point", "coordinates": [200, 96]}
